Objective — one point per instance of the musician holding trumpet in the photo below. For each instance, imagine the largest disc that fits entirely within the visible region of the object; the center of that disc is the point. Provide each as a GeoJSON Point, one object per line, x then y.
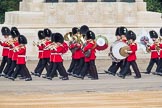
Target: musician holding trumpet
{"type": "Point", "coordinates": [56, 60]}
{"type": "Point", "coordinates": [11, 64]}
{"type": "Point", "coordinates": [21, 60]}
{"type": "Point", "coordinates": [6, 33]}
{"type": "Point", "coordinates": [46, 53]}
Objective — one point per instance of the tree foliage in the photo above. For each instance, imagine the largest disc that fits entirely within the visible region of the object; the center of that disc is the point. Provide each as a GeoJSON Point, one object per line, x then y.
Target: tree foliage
{"type": "Point", "coordinates": [154, 5]}
{"type": "Point", "coordinates": [8, 5]}
{"type": "Point", "coordinates": [13, 5]}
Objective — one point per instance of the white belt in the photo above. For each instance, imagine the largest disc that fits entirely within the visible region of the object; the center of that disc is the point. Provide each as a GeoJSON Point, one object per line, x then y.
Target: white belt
{"type": "Point", "coordinates": [21, 55]}
{"type": "Point", "coordinates": [6, 47]}
{"type": "Point", "coordinates": [40, 50]}
{"type": "Point", "coordinates": [153, 50]}
{"type": "Point", "coordinates": [11, 49]}
{"type": "Point", "coordinates": [56, 53]}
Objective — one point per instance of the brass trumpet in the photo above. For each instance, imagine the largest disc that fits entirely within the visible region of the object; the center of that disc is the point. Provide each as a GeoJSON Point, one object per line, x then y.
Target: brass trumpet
{"type": "Point", "coordinates": [51, 46]}
{"type": "Point", "coordinates": [40, 42]}
{"type": "Point", "coordinates": [17, 48]}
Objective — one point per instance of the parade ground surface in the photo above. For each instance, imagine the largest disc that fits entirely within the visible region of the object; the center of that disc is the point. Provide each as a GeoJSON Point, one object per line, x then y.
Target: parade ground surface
{"type": "Point", "coordinates": [107, 92]}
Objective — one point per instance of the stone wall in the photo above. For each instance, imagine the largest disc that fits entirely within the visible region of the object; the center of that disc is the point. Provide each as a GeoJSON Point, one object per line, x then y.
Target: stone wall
{"type": "Point", "coordinates": [101, 17]}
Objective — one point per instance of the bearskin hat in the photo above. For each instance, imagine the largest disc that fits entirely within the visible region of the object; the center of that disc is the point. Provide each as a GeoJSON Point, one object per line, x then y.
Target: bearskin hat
{"type": "Point", "coordinates": [75, 30]}
{"type": "Point", "coordinates": [47, 32]}
{"type": "Point", "coordinates": [117, 31]}
{"type": "Point", "coordinates": [122, 31]}
{"type": "Point", "coordinates": [153, 34]}
{"type": "Point", "coordinates": [22, 39]}
{"type": "Point", "coordinates": [90, 35]}
{"type": "Point", "coordinates": [58, 38]}
{"type": "Point", "coordinates": [53, 37]}
{"type": "Point", "coordinates": [161, 31]}
{"type": "Point", "coordinates": [15, 32]}
{"type": "Point", "coordinates": [131, 35]}
{"type": "Point", "coordinates": [5, 31]}
{"type": "Point", "coordinates": [41, 34]}
{"type": "Point", "coordinates": [84, 29]}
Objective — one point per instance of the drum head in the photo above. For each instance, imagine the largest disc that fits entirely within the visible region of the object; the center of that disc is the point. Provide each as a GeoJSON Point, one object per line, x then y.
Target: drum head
{"type": "Point", "coordinates": [116, 49]}
{"type": "Point", "coordinates": [122, 51]}
{"type": "Point", "coordinates": [100, 42]}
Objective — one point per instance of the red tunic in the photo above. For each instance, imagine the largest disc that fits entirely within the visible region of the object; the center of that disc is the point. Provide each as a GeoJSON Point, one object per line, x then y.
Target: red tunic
{"type": "Point", "coordinates": [21, 58]}
{"type": "Point", "coordinates": [78, 53]}
{"type": "Point", "coordinates": [40, 53]}
{"type": "Point", "coordinates": [132, 56]}
{"type": "Point", "coordinates": [56, 54]}
{"type": "Point", "coordinates": [14, 56]}
{"type": "Point", "coordinates": [154, 52]}
{"type": "Point", "coordinates": [90, 45]}
{"type": "Point", "coordinates": [5, 49]}
{"type": "Point", "coordinates": [46, 53]}
{"type": "Point", "coordinates": [160, 45]}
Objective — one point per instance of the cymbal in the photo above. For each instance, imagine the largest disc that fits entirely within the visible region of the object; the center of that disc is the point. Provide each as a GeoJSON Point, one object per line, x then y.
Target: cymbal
{"type": "Point", "coordinates": [122, 51]}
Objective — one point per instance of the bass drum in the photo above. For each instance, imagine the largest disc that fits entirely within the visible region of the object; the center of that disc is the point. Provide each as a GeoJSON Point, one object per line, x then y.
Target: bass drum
{"type": "Point", "coordinates": [117, 51]}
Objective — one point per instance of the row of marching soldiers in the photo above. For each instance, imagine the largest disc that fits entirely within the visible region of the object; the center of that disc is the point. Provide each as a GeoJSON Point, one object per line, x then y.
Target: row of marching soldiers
{"type": "Point", "coordinates": [14, 55]}
{"type": "Point", "coordinates": [51, 51]}
{"type": "Point", "coordinates": [129, 37]}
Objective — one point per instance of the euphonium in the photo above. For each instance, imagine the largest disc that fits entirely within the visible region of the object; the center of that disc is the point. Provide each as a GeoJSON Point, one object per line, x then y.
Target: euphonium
{"type": "Point", "coordinates": [81, 39]}
{"type": "Point", "coordinates": [68, 36]}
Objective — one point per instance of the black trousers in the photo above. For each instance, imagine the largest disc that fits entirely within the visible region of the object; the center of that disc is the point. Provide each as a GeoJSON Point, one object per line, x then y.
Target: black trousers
{"type": "Point", "coordinates": [39, 66]}
{"type": "Point", "coordinates": [79, 66]}
{"type": "Point", "coordinates": [151, 64]}
{"type": "Point", "coordinates": [73, 65]}
{"type": "Point", "coordinates": [159, 67]}
{"type": "Point", "coordinates": [50, 70]}
{"type": "Point", "coordinates": [85, 69]}
{"type": "Point", "coordinates": [127, 67]}
{"type": "Point", "coordinates": [3, 63]}
{"type": "Point", "coordinates": [12, 67]}
{"type": "Point", "coordinates": [93, 69]}
{"type": "Point", "coordinates": [58, 66]}
{"type": "Point", "coordinates": [21, 69]}
{"type": "Point", "coordinates": [44, 63]}
{"type": "Point", "coordinates": [6, 69]}
{"type": "Point", "coordinates": [120, 65]}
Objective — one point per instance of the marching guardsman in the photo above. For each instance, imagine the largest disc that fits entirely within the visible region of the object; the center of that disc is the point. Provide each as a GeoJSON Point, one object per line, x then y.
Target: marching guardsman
{"type": "Point", "coordinates": [154, 52]}
{"type": "Point", "coordinates": [40, 45]}
{"type": "Point", "coordinates": [89, 59]}
{"type": "Point", "coordinates": [131, 59]}
{"type": "Point", "coordinates": [57, 49]}
{"type": "Point", "coordinates": [159, 48]}
{"type": "Point", "coordinates": [21, 60]}
{"type": "Point", "coordinates": [6, 33]}
{"type": "Point", "coordinates": [12, 55]}
{"type": "Point", "coordinates": [46, 52]}
{"type": "Point", "coordinates": [113, 68]}
{"type": "Point", "coordinates": [75, 48]}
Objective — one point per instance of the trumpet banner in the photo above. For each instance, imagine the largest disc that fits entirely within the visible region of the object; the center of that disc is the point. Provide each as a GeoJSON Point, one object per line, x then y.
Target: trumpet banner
{"type": "Point", "coordinates": [102, 43]}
